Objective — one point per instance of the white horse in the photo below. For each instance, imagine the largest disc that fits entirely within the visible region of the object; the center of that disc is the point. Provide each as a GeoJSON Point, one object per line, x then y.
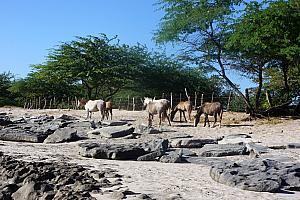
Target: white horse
{"type": "Point", "coordinates": [92, 106]}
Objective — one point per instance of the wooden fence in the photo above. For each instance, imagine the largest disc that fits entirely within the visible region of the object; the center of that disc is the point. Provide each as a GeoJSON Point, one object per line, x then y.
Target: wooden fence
{"type": "Point", "coordinates": [230, 102]}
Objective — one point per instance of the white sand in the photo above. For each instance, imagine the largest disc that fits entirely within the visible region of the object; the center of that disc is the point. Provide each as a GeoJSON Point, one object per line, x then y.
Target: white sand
{"type": "Point", "coordinates": [165, 180]}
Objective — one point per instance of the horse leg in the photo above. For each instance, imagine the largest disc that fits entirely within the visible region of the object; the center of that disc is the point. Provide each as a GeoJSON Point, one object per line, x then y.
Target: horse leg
{"type": "Point", "coordinates": [207, 120]}
{"type": "Point", "coordinates": [159, 115]}
{"type": "Point", "coordinates": [215, 116]}
{"type": "Point", "coordinates": [220, 115]}
{"type": "Point", "coordinates": [196, 120]}
{"type": "Point", "coordinates": [149, 120]}
{"type": "Point", "coordinates": [168, 118]}
{"type": "Point", "coordinates": [88, 112]}
{"type": "Point", "coordinates": [184, 116]}
{"type": "Point", "coordinates": [110, 114]}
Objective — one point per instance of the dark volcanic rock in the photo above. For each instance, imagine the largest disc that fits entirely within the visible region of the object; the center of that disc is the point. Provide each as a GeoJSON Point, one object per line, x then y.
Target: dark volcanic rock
{"type": "Point", "coordinates": [192, 143]}
{"type": "Point", "coordinates": [21, 134]}
{"type": "Point", "coordinates": [30, 180]}
{"type": "Point", "coordinates": [122, 151]}
{"type": "Point", "coordinates": [261, 175]}
{"type": "Point", "coordinates": [5, 120]}
{"type": "Point", "coordinates": [63, 135]}
{"type": "Point", "coordinates": [217, 150]}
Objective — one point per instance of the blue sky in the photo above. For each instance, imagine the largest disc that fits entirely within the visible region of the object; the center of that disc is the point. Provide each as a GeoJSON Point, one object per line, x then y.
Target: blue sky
{"type": "Point", "coordinates": [29, 28]}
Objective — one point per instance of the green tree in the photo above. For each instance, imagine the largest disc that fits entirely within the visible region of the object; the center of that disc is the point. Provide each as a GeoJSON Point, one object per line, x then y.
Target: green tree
{"type": "Point", "coordinates": [201, 28]}
{"type": "Point", "coordinates": [266, 38]}
{"type": "Point", "coordinates": [97, 63]}
{"type": "Point", "coordinates": [5, 82]}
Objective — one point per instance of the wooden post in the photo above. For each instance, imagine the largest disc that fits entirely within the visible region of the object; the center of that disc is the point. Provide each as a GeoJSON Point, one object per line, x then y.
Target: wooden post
{"type": "Point", "coordinates": [133, 104]}
{"type": "Point", "coordinates": [68, 102]}
{"type": "Point", "coordinates": [268, 98]}
{"type": "Point", "coordinates": [195, 100]}
{"type": "Point", "coordinates": [54, 102]}
{"type": "Point", "coordinates": [127, 103]}
{"type": "Point", "coordinates": [163, 95]}
{"type": "Point", "coordinates": [179, 97]}
{"type": "Point", "coordinates": [25, 104]}
{"type": "Point", "coordinates": [212, 97]}
{"type": "Point", "coordinates": [75, 104]}
{"type": "Point", "coordinates": [39, 102]}
{"type": "Point", "coordinates": [202, 95]}
{"type": "Point", "coordinates": [171, 100]}
{"type": "Point", "coordinates": [119, 104]}
{"type": "Point", "coordinates": [228, 103]}
{"type": "Point", "coordinates": [45, 103]}
{"type": "Point", "coordinates": [50, 105]}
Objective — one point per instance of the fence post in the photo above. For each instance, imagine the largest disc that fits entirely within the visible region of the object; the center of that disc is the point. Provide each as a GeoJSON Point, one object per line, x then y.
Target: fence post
{"type": "Point", "coordinates": [45, 102]}
{"type": "Point", "coordinates": [212, 97]}
{"type": "Point", "coordinates": [133, 104]}
{"type": "Point", "coordinates": [54, 102]}
{"type": "Point", "coordinates": [119, 107]}
{"type": "Point", "coordinates": [127, 103]}
{"type": "Point", "coordinates": [171, 100]}
{"type": "Point", "coordinates": [39, 102]}
{"type": "Point", "coordinates": [179, 97]}
{"type": "Point", "coordinates": [195, 100]}
{"type": "Point", "coordinates": [201, 99]}
{"type": "Point", "coordinates": [228, 103]}
{"type": "Point", "coordinates": [268, 98]}
{"type": "Point", "coordinates": [68, 102]}
{"type": "Point", "coordinates": [50, 105]}
{"type": "Point", "coordinates": [25, 104]}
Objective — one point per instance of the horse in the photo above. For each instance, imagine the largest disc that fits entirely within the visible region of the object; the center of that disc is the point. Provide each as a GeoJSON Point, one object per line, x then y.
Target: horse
{"type": "Point", "coordinates": [182, 107]}
{"type": "Point", "coordinates": [208, 108]}
{"type": "Point", "coordinates": [108, 109]}
{"type": "Point", "coordinates": [92, 106]}
{"type": "Point", "coordinates": [159, 107]}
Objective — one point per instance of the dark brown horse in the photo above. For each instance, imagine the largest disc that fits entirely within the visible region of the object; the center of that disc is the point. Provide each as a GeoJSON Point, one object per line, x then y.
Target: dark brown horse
{"type": "Point", "coordinates": [212, 109]}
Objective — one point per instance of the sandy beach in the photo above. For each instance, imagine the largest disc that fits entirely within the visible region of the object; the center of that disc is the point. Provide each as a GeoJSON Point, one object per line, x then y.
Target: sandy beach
{"type": "Point", "coordinates": [168, 180]}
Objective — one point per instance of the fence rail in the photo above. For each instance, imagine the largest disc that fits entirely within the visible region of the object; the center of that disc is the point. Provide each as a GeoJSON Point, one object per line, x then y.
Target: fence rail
{"type": "Point", "coordinates": [231, 102]}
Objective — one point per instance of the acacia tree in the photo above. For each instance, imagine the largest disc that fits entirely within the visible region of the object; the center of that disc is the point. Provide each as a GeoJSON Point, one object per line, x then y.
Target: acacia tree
{"type": "Point", "coordinates": [201, 27]}
{"type": "Point", "coordinates": [267, 39]}
{"type": "Point", "coordinates": [100, 64]}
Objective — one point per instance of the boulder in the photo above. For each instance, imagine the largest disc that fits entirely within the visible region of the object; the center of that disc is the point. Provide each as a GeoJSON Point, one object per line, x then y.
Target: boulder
{"type": "Point", "coordinates": [293, 145]}
{"type": "Point", "coordinates": [261, 175]}
{"type": "Point", "coordinates": [113, 123]}
{"type": "Point", "coordinates": [144, 129]}
{"type": "Point", "coordinates": [22, 135]}
{"type": "Point", "coordinates": [217, 150]}
{"type": "Point", "coordinates": [5, 120]}
{"type": "Point", "coordinates": [130, 151]}
{"type": "Point", "coordinates": [172, 157]}
{"type": "Point", "coordinates": [116, 131]}
{"type": "Point", "coordinates": [192, 143]}
{"type": "Point", "coordinates": [63, 135]}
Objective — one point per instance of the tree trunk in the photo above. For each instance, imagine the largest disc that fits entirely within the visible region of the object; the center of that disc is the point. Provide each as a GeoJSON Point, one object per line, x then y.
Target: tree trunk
{"type": "Point", "coordinates": [285, 79]}
{"type": "Point", "coordinates": [232, 85]}
{"type": "Point", "coordinates": [258, 91]}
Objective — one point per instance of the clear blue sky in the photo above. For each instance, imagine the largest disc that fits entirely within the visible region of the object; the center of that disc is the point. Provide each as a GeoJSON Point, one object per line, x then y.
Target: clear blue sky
{"type": "Point", "coordinates": [29, 28]}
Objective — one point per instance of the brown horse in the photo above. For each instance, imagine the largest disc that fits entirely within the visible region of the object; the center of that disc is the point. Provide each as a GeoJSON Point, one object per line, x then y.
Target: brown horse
{"type": "Point", "coordinates": [182, 107]}
{"type": "Point", "coordinates": [212, 109]}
